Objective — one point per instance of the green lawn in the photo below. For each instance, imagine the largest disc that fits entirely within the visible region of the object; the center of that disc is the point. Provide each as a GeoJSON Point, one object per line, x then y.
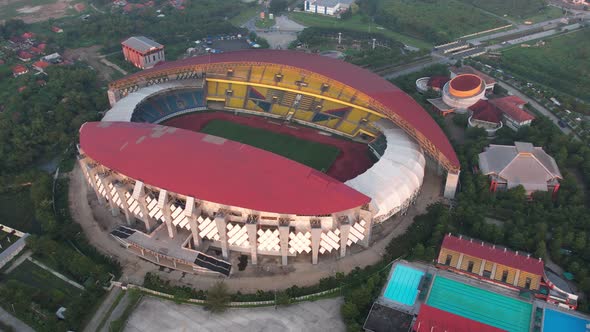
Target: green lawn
{"type": "Point", "coordinates": [356, 23]}
{"type": "Point", "coordinates": [437, 21]}
{"type": "Point", "coordinates": [16, 210]}
{"type": "Point", "coordinates": [312, 154]}
{"type": "Point", "coordinates": [562, 64]}
{"type": "Point", "coordinates": [534, 10]}
{"type": "Point", "coordinates": [244, 16]}
{"type": "Point", "coordinates": [264, 23]}
{"type": "Point", "coordinates": [30, 274]}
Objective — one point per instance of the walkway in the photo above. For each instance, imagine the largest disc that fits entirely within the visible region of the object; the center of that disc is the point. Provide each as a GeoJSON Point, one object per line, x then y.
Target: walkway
{"type": "Point", "coordinates": [100, 313]}
{"type": "Point", "coordinates": [55, 273]}
{"type": "Point", "coordinates": [16, 323]}
{"type": "Point", "coordinates": [18, 261]}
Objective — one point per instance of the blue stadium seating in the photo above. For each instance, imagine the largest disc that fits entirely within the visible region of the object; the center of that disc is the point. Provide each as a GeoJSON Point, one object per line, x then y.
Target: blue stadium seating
{"type": "Point", "coordinates": [159, 106]}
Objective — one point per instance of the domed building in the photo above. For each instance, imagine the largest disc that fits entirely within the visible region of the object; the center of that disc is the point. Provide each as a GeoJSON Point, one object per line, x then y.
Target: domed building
{"type": "Point", "coordinates": [459, 94]}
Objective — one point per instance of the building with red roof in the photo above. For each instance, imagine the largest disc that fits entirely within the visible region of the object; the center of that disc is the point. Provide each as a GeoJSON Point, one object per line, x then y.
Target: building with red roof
{"type": "Point", "coordinates": [490, 82]}
{"type": "Point", "coordinates": [57, 29]}
{"type": "Point", "coordinates": [24, 56]}
{"type": "Point", "coordinates": [485, 115]}
{"type": "Point", "coordinates": [28, 35]}
{"type": "Point", "coordinates": [431, 319]}
{"type": "Point", "coordinates": [512, 108]}
{"type": "Point", "coordinates": [142, 52]}
{"type": "Point", "coordinates": [41, 65]}
{"type": "Point", "coordinates": [19, 70]}
{"type": "Point", "coordinates": [490, 262]}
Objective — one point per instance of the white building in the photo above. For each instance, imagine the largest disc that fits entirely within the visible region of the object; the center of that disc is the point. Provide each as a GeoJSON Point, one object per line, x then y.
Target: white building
{"type": "Point", "coordinates": [327, 7]}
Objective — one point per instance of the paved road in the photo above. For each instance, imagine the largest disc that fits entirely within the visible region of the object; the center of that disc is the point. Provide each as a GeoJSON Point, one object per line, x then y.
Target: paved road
{"type": "Point", "coordinates": [102, 310]}
{"type": "Point", "coordinates": [536, 105]}
{"type": "Point", "coordinates": [16, 323]}
{"type": "Point", "coordinates": [117, 312]}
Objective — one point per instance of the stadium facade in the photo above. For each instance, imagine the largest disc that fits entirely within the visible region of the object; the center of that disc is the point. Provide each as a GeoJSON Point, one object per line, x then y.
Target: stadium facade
{"type": "Point", "coordinates": [204, 190]}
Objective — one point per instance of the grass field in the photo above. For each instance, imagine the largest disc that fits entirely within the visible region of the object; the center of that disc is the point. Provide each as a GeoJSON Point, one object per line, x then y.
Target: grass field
{"type": "Point", "coordinates": [31, 274]}
{"type": "Point", "coordinates": [16, 210]}
{"type": "Point", "coordinates": [517, 9]}
{"type": "Point", "coordinates": [562, 64]}
{"type": "Point", "coordinates": [10, 9]}
{"type": "Point", "coordinates": [437, 20]}
{"type": "Point", "coordinates": [356, 23]}
{"type": "Point", "coordinates": [264, 23]}
{"type": "Point", "coordinates": [312, 154]}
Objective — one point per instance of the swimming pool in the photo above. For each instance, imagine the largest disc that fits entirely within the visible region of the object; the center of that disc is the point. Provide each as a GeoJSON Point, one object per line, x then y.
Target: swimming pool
{"type": "Point", "coordinates": [403, 285]}
{"type": "Point", "coordinates": [555, 321]}
{"type": "Point", "coordinates": [480, 305]}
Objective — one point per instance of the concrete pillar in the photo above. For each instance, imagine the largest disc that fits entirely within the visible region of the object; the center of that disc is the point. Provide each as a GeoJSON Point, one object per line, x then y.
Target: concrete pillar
{"type": "Point", "coordinates": [253, 241]}
{"type": "Point", "coordinates": [516, 277]}
{"type": "Point", "coordinates": [494, 266]}
{"type": "Point", "coordinates": [192, 213]}
{"type": "Point", "coordinates": [316, 236]}
{"type": "Point", "coordinates": [92, 172]}
{"type": "Point", "coordinates": [284, 237]}
{"type": "Point", "coordinates": [105, 181]}
{"type": "Point", "coordinates": [344, 231]}
{"type": "Point", "coordinates": [221, 224]}
{"type": "Point", "coordinates": [368, 218]}
{"type": "Point", "coordinates": [139, 196]}
{"type": "Point", "coordinates": [482, 267]}
{"type": "Point", "coordinates": [459, 261]}
{"type": "Point", "coordinates": [451, 185]}
{"type": "Point", "coordinates": [121, 190]}
{"type": "Point", "coordinates": [165, 208]}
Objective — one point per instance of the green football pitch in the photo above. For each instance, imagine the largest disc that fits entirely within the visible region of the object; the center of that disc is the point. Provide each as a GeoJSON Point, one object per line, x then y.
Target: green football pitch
{"type": "Point", "coordinates": [313, 154]}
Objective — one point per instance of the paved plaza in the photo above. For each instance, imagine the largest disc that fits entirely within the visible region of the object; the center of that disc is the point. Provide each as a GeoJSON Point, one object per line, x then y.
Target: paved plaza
{"type": "Point", "coordinates": [154, 314]}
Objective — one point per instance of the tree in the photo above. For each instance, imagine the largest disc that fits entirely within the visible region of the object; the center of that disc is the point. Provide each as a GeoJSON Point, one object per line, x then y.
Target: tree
{"type": "Point", "coordinates": [418, 252]}
{"type": "Point", "coordinates": [541, 249]}
{"type": "Point", "coordinates": [217, 298]}
{"type": "Point", "coordinates": [278, 6]}
{"type": "Point", "coordinates": [282, 298]}
{"type": "Point", "coordinates": [349, 311]}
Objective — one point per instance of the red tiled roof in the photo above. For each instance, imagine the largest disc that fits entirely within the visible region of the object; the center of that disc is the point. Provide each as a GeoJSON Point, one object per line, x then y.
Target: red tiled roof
{"type": "Point", "coordinates": [28, 35]}
{"type": "Point", "coordinates": [42, 46]}
{"type": "Point", "coordinates": [438, 81]}
{"type": "Point", "coordinates": [484, 111]}
{"type": "Point", "coordinates": [511, 107]}
{"type": "Point", "coordinates": [431, 319]}
{"type": "Point", "coordinates": [24, 55]}
{"type": "Point", "coordinates": [470, 70]}
{"type": "Point", "coordinates": [491, 253]}
{"type": "Point", "coordinates": [215, 169]}
{"type": "Point", "coordinates": [391, 97]}
{"type": "Point", "coordinates": [19, 69]}
{"type": "Point", "coordinates": [35, 50]}
{"type": "Point", "coordinates": [41, 64]}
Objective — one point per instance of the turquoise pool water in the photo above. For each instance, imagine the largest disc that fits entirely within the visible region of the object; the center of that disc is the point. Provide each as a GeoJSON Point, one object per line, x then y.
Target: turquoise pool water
{"type": "Point", "coordinates": [481, 305]}
{"type": "Point", "coordinates": [555, 321]}
{"type": "Point", "coordinates": [403, 285]}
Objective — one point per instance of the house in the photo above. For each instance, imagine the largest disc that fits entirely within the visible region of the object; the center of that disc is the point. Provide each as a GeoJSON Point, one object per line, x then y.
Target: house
{"type": "Point", "coordinates": [24, 56]}
{"type": "Point", "coordinates": [520, 165]}
{"type": "Point", "coordinates": [485, 115]}
{"type": "Point", "coordinates": [53, 58]}
{"type": "Point", "coordinates": [327, 7]}
{"type": "Point", "coordinates": [143, 52]}
{"type": "Point", "coordinates": [513, 112]}
{"type": "Point", "coordinates": [491, 263]}
{"type": "Point", "coordinates": [28, 35]}
{"type": "Point", "coordinates": [19, 70]}
{"type": "Point", "coordinates": [57, 29]}
{"type": "Point", "coordinates": [41, 65]}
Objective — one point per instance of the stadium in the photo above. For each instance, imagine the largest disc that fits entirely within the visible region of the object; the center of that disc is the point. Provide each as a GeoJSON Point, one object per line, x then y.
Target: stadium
{"type": "Point", "coordinates": [258, 153]}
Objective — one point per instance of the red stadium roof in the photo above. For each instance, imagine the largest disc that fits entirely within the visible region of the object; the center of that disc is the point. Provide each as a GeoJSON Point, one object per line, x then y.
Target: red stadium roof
{"type": "Point", "coordinates": [215, 169]}
{"type": "Point", "coordinates": [431, 319]}
{"type": "Point", "coordinates": [491, 253]}
{"type": "Point", "coordinates": [363, 80]}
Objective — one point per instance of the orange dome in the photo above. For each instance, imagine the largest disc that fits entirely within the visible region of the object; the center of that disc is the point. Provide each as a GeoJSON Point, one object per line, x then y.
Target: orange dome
{"type": "Point", "coordinates": [466, 85]}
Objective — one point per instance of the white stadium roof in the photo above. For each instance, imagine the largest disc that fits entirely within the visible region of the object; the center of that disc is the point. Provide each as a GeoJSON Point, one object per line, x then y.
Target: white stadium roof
{"type": "Point", "coordinates": [393, 181]}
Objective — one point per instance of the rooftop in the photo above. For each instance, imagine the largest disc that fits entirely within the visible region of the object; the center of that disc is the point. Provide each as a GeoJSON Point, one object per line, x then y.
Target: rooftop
{"type": "Point", "coordinates": [484, 111]}
{"type": "Point", "coordinates": [215, 169]}
{"type": "Point", "coordinates": [377, 88]}
{"type": "Point", "coordinates": [470, 70]}
{"type": "Point", "coordinates": [385, 319]}
{"type": "Point", "coordinates": [521, 164]}
{"type": "Point", "coordinates": [432, 319]}
{"type": "Point", "coordinates": [466, 85]}
{"type": "Point", "coordinates": [512, 107]}
{"type": "Point", "coordinates": [492, 253]}
{"type": "Point", "coordinates": [142, 44]}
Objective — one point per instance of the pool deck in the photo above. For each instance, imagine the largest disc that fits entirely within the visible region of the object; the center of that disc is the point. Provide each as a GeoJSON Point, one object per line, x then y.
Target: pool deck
{"type": "Point", "coordinates": [414, 309]}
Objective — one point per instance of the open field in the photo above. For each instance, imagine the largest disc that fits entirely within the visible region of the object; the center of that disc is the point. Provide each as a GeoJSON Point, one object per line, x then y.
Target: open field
{"type": "Point", "coordinates": [16, 210]}
{"type": "Point", "coordinates": [561, 64]}
{"type": "Point", "coordinates": [312, 154]}
{"type": "Point", "coordinates": [535, 10]}
{"type": "Point", "coordinates": [436, 21]}
{"type": "Point", "coordinates": [356, 23]}
{"type": "Point", "coordinates": [33, 10]}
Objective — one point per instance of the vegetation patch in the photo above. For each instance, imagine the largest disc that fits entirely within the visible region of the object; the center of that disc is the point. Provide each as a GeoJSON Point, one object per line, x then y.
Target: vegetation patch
{"type": "Point", "coordinates": [16, 210]}
{"type": "Point", "coordinates": [313, 154]}
{"type": "Point", "coordinates": [515, 8]}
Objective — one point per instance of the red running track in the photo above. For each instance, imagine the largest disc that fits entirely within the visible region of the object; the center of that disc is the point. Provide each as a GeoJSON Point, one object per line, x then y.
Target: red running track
{"type": "Point", "coordinates": [353, 158]}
